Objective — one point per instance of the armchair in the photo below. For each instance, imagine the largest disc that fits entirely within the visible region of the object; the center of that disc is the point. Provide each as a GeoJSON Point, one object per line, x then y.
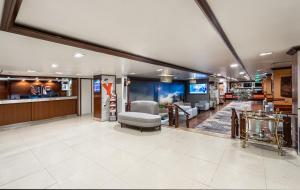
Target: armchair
{"type": "Point", "coordinates": [202, 105]}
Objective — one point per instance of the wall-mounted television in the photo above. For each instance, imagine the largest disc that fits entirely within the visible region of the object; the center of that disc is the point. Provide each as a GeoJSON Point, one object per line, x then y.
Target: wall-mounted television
{"type": "Point", "coordinates": [258, 84]}
{"type": "Point", "coordinates": [200, 88]}
{"type": "Point", "coordinates": [247, 84]}
{"type": "Point", "coordinates": [97, 85]}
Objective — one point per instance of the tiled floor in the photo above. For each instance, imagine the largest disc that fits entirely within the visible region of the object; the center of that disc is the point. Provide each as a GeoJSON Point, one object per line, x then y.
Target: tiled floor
{"type": "Point", "coordinates": [83, 153]}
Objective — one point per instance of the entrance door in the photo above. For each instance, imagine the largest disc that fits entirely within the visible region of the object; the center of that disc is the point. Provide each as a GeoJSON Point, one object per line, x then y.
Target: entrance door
{"type": "Point", "coordinates": [86, 96]}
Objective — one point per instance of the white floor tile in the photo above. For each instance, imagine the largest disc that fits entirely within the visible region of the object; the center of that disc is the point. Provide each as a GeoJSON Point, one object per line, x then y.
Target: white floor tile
{"type": "Point", "coordinates": [54, 153]}
{"type": "Point", "coordinates": [17, 166]}
{"type": "Point", "coordinates": [80, 152]}
{"type": "Point", "coordinates": [38, 180]}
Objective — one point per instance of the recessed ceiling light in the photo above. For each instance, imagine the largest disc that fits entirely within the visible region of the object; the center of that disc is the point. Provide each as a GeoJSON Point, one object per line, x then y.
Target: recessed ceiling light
{"type": "Point", "coordinates": [159, 70]}
{"type": "Point", "coordinates": [54, 65]}
{"type": "Point", "coordinates": [265, 53]}
{"type": "Point", "coordinates": [218, 74]}
{"type": "Point", "coordinates": [258, 70]}
{"type": "Point", "coordinates": [166, 75]}
{"type": "Point", "coordinates": [78, 55]}
{"type": "Point", "coordinates": [31, 71]}
{"type": "Point", "coordinates": [234, 65]}
{"type": "Point", "coordinates": [241, 73]}
{"type": "Point", "coordinates": [78, 74]}
{"type": "Point", "coordinates": [59, 73]}
{"type": "Point", "coordinates": [132, 73]}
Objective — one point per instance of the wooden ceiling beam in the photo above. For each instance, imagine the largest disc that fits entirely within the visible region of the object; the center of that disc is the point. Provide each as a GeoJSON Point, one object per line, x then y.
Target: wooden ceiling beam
{"type": "Point", "coordinates": [10, 12]}
{"type": "Point", "coordinates": [204, 6]}
{"type": "Point", "coordinates": [293, 50]}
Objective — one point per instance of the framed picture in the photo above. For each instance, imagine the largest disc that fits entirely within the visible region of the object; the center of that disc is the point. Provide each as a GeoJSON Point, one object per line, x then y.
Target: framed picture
{"type": "Point", "coordinates": [286, 87]}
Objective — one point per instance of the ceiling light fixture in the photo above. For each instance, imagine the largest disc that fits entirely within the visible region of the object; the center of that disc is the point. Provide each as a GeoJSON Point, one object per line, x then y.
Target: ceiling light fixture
{"type": "Point", "coordinates": [31, 71]}
{"type": "Point", "coordinates": [169, 75]}
{"type": "Point", "coordinates": [234, 65]}
{"type": "Point", "coordinates": [265, 53]}
{"type": "Point", "coordinates": [159, 70]}
{"type": "Point", "coordinates": [218, 74]}
{"type": "Point", "coordinates": [54, 65]}
{"type": "Point", "coordinates": [241, 73]}
{"type": "Point", "coordinates": [78, 55]}
{"type": "Point", "coordinates": [132, 73]}
{"type": "Point", "coordinates": [59, 73]}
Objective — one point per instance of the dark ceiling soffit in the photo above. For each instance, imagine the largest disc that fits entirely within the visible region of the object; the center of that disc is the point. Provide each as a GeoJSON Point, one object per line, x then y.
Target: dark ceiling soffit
{"type": "Point", "coordinates": [204, 6]}
{"type": "Point", "coordinates": [281, 68]}
{"type": "Point", "coordinates": [293, 50]}
{"type": "Point", "coordinates": [10, 12]}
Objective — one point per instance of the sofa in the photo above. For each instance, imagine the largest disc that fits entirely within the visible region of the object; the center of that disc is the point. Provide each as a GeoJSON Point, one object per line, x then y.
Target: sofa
{"type": "Point", "coordinates": [202, 105]}
{"type": "Point", "coordinates": [142, 114]}
{"type": "Point", "coordinates": [188, 108]}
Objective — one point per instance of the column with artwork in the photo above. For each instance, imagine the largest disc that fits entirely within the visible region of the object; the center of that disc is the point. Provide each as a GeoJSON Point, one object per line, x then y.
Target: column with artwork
{"type": "Point", "coordinates": [109, 98]}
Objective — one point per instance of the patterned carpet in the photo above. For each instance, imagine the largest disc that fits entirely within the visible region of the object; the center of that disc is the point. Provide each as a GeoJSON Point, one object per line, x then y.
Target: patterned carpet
{"type": "Point", "coordinates": [220, 122]}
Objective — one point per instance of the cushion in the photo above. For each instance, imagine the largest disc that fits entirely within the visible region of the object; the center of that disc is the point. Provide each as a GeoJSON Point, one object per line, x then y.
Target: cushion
{"type": "Point", "coordinates": [139, 119]}
{"type": "Point", "coordinates": [149, 107]}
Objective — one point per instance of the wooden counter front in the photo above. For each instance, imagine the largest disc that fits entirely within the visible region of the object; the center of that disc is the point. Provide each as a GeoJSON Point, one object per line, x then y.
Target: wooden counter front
{"type": "Point", "coordinates": [15, 113]}
{"type": "Point", "coordinates": [32, 111]}
{"type": "Point", "coordinates": [50, 109]}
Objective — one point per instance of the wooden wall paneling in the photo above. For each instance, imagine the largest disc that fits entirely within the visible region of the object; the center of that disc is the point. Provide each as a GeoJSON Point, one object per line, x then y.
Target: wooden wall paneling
{"type": "Point", "coordinates": [97, 99]}
{"type": "Point", "coordinates": [23, 87]}
{"type": "Point", "coordinates": [277, 74]}
{"type": "Point", "coordinates": [3, 90]}
{"type": "Point", "coordinates": [75, 88]}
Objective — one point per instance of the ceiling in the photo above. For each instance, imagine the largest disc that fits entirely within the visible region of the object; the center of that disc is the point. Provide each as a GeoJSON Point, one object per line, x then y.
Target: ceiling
{"type": "Point", "coordinates": [20, 54]}
{"type": "Point", "coordinates": [257, 26]}
{"type": "Point", "coordinates": [182, 36]}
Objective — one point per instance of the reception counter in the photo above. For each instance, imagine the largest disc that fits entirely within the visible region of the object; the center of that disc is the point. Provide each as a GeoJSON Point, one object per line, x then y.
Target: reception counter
{"type": "Point", "coordinates": [25, 110]}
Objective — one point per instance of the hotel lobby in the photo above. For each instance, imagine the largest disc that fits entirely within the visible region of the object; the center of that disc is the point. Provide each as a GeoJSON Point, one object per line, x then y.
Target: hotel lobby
{"type": "Point", "coordinates": [148, 94]}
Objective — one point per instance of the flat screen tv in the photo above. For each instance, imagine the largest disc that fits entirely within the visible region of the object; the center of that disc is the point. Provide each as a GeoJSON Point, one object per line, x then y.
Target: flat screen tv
{"type": "Point", "coordinates": [258, 84]}
{"type": "Point", "coordinates": [97, 86]}
{"type": "Point", "coordinates": [198, 88]}
{"type": "Point", "coordinates": [247, 85]}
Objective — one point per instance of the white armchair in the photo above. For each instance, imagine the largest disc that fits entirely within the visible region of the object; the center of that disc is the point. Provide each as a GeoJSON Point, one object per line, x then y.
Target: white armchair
{"type": "Point", "coordinates": [202, 105]}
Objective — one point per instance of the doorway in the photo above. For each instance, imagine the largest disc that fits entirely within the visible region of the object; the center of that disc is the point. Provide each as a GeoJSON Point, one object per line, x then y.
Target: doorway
{"type": "Point", "coordinates": [86, 96]}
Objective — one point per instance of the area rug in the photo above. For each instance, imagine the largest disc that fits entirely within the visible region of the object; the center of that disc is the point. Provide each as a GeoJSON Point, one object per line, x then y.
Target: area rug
{"type": "Point", "coordinates": [220, 122]}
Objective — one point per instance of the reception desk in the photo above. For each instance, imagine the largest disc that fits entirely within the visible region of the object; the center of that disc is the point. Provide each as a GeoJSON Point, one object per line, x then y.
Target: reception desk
{"type": "Point", "coordinates": [25, 110]}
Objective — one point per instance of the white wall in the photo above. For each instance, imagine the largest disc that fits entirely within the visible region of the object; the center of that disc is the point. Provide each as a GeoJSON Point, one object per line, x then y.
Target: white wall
{"type": "Point", "coordinates": [121, 91]}
{"type": "Point", "coordinates": [86, 96]}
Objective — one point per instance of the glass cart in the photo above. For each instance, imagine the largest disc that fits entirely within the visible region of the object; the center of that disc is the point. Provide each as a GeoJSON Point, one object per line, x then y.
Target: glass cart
{"type": "Point", "coordinates": [261, 133]}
